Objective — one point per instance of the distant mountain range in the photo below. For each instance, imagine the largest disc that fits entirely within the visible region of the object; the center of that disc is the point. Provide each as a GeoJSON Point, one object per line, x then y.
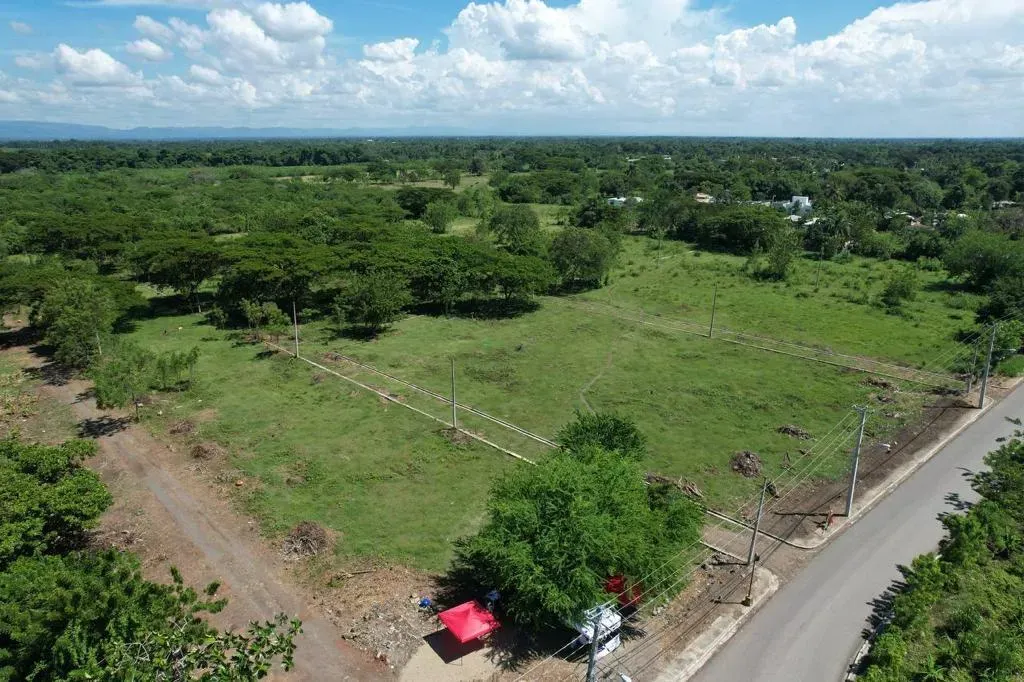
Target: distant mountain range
{"type": "Point", "coordinates": [42, 131]}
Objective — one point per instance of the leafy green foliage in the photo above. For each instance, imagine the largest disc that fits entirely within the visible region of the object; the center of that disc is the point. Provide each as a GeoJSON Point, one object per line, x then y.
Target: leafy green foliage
{"type": "Point", "coordinates": [609, 432]}
{"type": "Point", "coordinates": [179, 263]}
{"type": "Point", "coordinates": [439, 216]}
{"type": "Point", "coordinates": [556, 531]}
{"type": "Point", "coordinates": [67, 614]}
{"type": "Point", "coordinates": [517, 228]}
{"type": "Point", "coordinates": [126, 372]}
{"type": "Point", "coordinates": [981, 257]}
{"type": "Point", "coordinates": [47, 499]}
{"type": "Point", "coordinates": [73, 315]}
{"type": "Point", "coordinates": [582, 257]}
{"type": "Point", "coordinates": [373, 301]}
{"type": "Point", "coordinates": [784, 245]}
{"type": "Point", "coordinates": [958, 616]}
{"type": "Point", "coordinates": [901, 287]}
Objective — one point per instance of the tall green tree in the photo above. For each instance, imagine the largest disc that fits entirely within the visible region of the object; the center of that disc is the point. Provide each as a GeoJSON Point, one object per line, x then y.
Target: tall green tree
{"type": "Point", "coordinates": [68, 613]}
{"type": "Point", "coordinates": [74, 315]}
{"type": "Point", "coordinates": [373, 301]}
{"type": "Point", "coordinates": [181, 264]}
{"type": "Point", "coordinates": [517, 228]}
{"type": "Point", "coordinates": [581, 257]}
{"type": "Point", "coordinates": [48, 500]}
{"type": "Point", "coordinates": [556, 531]}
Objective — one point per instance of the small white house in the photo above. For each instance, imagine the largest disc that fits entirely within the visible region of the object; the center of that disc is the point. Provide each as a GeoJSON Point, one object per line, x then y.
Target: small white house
{"type": "Point", "coordinates": [801, 204]}
{"type": "Point", "coordinates": [703, 198]}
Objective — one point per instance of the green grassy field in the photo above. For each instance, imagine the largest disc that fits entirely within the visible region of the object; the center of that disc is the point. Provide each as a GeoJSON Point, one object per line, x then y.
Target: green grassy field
{"type": "Point", "coordinates": [675, 280]}
{"type": "Point", "coordinates": [394, 486]}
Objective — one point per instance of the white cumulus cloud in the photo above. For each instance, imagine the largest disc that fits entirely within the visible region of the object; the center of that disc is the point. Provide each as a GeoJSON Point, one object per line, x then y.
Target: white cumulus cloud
{"type": "Point", "coordinates": [402, 49]}
{"type": "Point", "coordinates": [148, 26]}
{"type": "Point", "coordinates": [148, 50]}
{"type": "Point", "coordinates": [91, 67]}
{"type": "Point", "coordinates": [206, 75]}
{"type": "Point", "coordinates": [293, 21]}
{"type": "Point", "coordinates": [925, 67]}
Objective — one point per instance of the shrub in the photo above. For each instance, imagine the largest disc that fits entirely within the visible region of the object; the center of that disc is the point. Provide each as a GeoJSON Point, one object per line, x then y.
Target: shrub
{"type": "Point", "coordinates": [899, 288]}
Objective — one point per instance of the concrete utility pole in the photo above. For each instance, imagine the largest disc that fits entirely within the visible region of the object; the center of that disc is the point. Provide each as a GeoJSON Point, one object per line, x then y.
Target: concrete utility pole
{"type": "Point", "coordinates": [757, 523]}
{"type": "Point", "coordinates": [817, 277]}
{"type": "Point", "coordinates": [714, 307]}
{"type": "Point", "coordinates": [751, 555]}
{"type": "Point", "coordinates": [99, 346]}
{"type": "Point", "coordinates": [856, 460]}
{"type": "Point", "coordinates": [988, 367]}
{"type": "Point", "coordinates": [295, 323]}
{"type": "Point", "coordinates": [455, 407]}
{"type": "Point", "coordinates": [595, 638]}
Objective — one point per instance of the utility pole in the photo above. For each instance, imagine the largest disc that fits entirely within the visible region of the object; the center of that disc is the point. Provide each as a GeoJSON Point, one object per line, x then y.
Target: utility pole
{"type": "Point", "coordinates": [751, 555]}
{"type": "Point", "coordinates": [594, 640]}
{"type": "Point", "coordinates": [99, 346]}
{"type": "Point", "coordinates": [817, 277]}
{"type": "Point", "coordinates": [295, 323]}
{"type": "Point", "coordinates": [988, 367]}
{"type": "Point", "coordinates": [714, 307]}
{"type": "Point", "coordinates": [455, 407]}
{"type": "Point", "coordinates": [856, 461]}
{"type": "Point", "coordinates": [757, 523]}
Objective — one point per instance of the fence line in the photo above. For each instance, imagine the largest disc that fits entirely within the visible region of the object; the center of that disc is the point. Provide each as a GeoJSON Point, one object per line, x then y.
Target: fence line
{"type": "Point", "coordinates": [447, 401]}
{"type": "Point", "coordinates": [799, 351]}
{"type": "Point", "coordinates": [391, 399]}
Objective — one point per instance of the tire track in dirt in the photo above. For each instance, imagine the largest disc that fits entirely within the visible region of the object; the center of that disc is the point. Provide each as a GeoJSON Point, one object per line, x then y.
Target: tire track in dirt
{"type": "Point", "coordinates": [248, 571]}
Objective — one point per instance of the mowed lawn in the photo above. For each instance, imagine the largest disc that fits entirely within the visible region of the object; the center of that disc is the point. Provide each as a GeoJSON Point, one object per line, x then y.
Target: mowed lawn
{"type": "Point", "coordinates": [675, 280]}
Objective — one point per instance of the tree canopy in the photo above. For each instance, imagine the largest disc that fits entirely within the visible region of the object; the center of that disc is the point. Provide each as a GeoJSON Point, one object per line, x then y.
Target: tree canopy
{"type": "Point", "coordinates": [555, 532]}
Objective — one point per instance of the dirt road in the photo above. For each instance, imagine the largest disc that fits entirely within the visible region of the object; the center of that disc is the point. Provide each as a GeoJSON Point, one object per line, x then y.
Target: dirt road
{"type": "Point", "coordinates": [200, 533]}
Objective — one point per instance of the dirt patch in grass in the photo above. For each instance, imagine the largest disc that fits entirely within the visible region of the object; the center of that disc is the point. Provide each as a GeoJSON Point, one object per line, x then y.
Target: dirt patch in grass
{"type": "Point", "coordinates": [206, 451]}
{"type": "Point", "coordinates": [377, 609]}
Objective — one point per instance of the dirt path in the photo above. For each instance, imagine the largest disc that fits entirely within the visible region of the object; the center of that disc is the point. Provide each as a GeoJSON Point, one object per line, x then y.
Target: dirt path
{"type": "Point", "coordinates": [594, 380]}
{"type": "Point", "coordinates": [198, 532]}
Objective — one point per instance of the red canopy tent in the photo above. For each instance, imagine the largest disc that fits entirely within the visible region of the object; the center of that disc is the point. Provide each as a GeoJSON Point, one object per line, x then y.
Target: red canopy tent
{"type": "Point", "coordinates": [469, 621]}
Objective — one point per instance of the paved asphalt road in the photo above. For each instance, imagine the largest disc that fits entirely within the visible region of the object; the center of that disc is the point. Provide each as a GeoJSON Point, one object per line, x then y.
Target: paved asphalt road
{"type": "Point", "coordinates": [812, 627]}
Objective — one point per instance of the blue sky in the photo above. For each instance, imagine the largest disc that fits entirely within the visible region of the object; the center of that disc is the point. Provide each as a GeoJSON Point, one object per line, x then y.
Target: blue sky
{"type": "Point", "coordinates": [362, 21]}
{"type": "Point", "coordinates": [745, 67]}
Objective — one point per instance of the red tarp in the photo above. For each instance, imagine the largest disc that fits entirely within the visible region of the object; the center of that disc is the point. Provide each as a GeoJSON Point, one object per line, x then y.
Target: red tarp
{"type": "Point", "coordinates": [468, 621]}
{"type": "Point", "coordinates": [628, 595]}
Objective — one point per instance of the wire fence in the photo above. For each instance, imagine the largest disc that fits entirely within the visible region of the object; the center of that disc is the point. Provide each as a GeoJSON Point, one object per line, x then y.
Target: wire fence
{"type": "Point", "coordinates": [826, 356]}
{"type": "Point", "coordinates": [723, 534]}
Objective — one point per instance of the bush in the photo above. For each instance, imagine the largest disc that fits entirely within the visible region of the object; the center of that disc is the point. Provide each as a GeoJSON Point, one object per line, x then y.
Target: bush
{"type": "Point", "coordinates": [1012, 367]}
{"type": "Point", "coordinates": [606, 431]}
{"type": "Point", "coordinates": [373, 301]}
{"type": "Point", "coordinates": [899, 288]}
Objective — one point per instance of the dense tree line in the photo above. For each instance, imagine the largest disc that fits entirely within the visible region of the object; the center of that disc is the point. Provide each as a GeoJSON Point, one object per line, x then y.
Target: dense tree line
{"type": "Point", "coordinates": [958, 616]}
